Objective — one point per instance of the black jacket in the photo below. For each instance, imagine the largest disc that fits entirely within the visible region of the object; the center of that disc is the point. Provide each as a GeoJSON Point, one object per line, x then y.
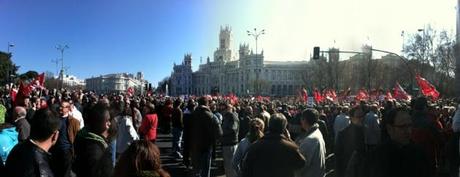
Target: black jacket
{"type": "Point", "coordinates": [177, 118]}
{"type": "Point", "coordinates": [392, 160]}
{"type": "Point", "coordinates": [230, 126]}
{"type": "Point", "coordinates": [92, 155]}
{"type": "Point", "coordinates": [272, 156]}
{"type": "Point", "coordinates": [205, 130]}
{"type": "Point", "coordinates": [349, 141]}
{"type": "Point", "coordinates": [28, 160]}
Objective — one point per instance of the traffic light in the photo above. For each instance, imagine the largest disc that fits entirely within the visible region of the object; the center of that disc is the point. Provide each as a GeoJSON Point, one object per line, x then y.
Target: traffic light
{"type": "Point", "coordinates": [316, 53]}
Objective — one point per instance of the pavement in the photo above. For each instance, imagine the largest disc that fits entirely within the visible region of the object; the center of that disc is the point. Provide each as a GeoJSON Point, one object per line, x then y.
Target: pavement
{"type": "Point", "coordinates": [175, 167]}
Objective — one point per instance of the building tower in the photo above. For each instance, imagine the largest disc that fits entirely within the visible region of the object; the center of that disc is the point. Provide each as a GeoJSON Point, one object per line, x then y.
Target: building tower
{"type": "Point", "coordinates": [188, 60]}
{"type": "Point", "coordinates": [225, 37]}
{"type": "Point", "coordinates": [243, 51]}
{"type": "Point", "coordinates": [224, 53]}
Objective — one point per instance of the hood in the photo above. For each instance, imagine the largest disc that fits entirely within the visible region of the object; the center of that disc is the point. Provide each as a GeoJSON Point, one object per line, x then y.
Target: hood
{"type": "Point", "coordinates": [10, 132]}
{"type": "Point", "coordinates": [85, 134]}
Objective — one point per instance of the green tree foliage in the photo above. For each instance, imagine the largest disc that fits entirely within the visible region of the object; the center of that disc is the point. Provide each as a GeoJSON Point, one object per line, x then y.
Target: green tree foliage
{"type": "Point", "coordinates": [7, 68]}
{"type": "Point", "coordinates": [28, 76]}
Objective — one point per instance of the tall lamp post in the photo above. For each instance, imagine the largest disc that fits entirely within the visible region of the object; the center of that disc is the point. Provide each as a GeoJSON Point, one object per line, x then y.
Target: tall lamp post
{"type": "Point", "coordinates": [256, 35]}
{"type": "Point", "coordinates": [62, 48]}
{"type": "Point", "coordinates": [9, 46]}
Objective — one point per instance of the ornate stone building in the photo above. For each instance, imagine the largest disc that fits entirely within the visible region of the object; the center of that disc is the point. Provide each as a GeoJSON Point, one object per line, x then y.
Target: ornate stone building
{"type": "Point", "coordinates": [181, 78]}
{"type": "Point", "coordinates": [117, 83]}
{"type": "Point", "coordinates": [249, 74]}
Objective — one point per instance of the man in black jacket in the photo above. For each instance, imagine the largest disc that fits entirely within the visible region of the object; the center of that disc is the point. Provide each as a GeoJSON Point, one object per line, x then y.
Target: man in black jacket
{"type": "Point", "coordinates": [178, 127]}
{"type": "Point", "coordinates": [31, 158]}
{"type": "Point", "coordinates": [398, 156]}
{"type": "Point", "coordinates": [350, 144]}
{"type": "Point", "coordinates": [275, 154]}
{"type": "Point", "coordinates": [230, 125]}
{"type": "Point", "coordinates": [92, 153]}
{"type": "Point", "coordinates": [205, 130]}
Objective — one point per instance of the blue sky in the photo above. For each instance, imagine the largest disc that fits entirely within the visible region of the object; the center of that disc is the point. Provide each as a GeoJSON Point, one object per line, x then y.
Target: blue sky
{"type": "Point", "coordinates": [111, 36]}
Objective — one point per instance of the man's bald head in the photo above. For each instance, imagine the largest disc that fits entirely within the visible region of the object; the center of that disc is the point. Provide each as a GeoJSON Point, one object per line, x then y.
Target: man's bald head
{"type": "Point", "coordinates": [20, 112]}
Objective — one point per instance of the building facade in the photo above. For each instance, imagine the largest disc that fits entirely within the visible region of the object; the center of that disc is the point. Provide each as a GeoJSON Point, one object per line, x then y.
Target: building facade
{"type": "Point", "coordinates": [72, 81]}
{"type": "Point", "coordinates": [181, 77]}
{"type": "Point", "coordinates": [249, 74]}
{"type": "Point", "coordinates": [117, 83]}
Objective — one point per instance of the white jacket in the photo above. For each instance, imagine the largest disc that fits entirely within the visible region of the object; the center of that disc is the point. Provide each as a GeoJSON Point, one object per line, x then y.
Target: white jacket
{"type": "Point", "coordinates": [126, 133]}
{"type": "Point", "coordinates": [313, 148]}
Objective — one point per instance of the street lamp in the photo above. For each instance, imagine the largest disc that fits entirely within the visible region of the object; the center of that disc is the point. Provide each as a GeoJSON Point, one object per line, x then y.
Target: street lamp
{"type": "Point", "coordinates": [62, 48]}
{"type": "Point", "coordinates": [256, 35]}
{"type": "Point", "coordinates": [9, 46]}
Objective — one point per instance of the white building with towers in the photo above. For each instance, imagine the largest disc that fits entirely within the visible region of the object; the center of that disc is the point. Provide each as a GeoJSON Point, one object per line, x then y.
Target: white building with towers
{"type": "Point", "coordinates": [247, 73]}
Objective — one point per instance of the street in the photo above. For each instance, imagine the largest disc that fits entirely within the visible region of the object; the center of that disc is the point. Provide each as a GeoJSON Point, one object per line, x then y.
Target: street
{"type": "Point", "coordinates": [175, 167]}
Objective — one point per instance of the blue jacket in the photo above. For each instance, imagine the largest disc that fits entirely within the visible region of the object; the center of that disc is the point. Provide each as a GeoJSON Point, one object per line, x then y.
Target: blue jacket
{"type": "Point", "coordinates": [8, 139]}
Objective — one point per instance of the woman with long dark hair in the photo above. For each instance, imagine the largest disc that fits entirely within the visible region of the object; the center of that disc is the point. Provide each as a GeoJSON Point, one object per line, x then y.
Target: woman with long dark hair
{"type": "Point", "coordinates": [141, 159]}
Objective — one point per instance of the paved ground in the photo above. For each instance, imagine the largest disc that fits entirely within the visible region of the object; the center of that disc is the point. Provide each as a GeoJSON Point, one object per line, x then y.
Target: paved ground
{"type": "Point", "coordinates": [175, 167]}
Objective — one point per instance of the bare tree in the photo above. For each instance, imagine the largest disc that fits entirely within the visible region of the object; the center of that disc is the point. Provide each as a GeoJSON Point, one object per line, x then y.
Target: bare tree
{"type": "Point", "coordinates": [434, 54]}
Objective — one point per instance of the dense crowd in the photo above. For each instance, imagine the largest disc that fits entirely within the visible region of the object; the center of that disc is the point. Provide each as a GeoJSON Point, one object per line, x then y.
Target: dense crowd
{"type": "Point", "coordinates": [66, 133]}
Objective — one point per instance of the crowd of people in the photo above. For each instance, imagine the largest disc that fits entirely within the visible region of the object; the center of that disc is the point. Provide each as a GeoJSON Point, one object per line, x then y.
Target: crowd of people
{"type": "Point", "coordinates": [66, 133]}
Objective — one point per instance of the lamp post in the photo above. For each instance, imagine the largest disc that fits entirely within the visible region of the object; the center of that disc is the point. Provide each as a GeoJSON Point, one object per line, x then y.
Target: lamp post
{"type": "Point", "coordinates": [62, 48]}
{"type": "Point", "coordinates": [256, 35]}
{"type": "Point", "coordinates": [9, 46]}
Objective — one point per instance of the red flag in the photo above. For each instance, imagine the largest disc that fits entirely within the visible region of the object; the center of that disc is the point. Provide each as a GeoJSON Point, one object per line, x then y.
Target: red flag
{"type": "Point", "coordinates": [24, 89]}
{"type": "Point", "coordinates": [388, 96]}
{"type": "Point", "coordinates": [41, 79]}
{"type": "Point", "coordinates": [399, 93]}
{"type": "Point", "coordinates": [130, 91]}
{"type": "Point", "coordinates": [330, 95]}
{"type": "Point", "coordinates": [233, 99]}
{"type": "Point", "coordinates": [317, 95]}
{"type": "Point", "coordinates": [259, 98]}
{"type": "Point", "coordinates": [38, 82]}
{"type": "Point", "coordinates": [426, 88]}
{"type": "Point", "coordinates": [362, 95]}
{"type": "Point", "coordinates": [23, 92]}
{"type": "Point", "coordinates": [13, 94]}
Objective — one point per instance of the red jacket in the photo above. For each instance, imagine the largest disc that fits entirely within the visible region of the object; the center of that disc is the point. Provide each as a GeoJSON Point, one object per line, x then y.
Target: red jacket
{"type": "Point", "coordinates": [149, 127]}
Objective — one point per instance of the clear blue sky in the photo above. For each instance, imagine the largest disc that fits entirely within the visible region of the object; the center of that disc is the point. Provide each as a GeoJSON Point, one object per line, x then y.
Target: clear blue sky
{"type": "Point", "coordinates": [112, 36]}
{"type": "Point", "coordinates": [104, 36]}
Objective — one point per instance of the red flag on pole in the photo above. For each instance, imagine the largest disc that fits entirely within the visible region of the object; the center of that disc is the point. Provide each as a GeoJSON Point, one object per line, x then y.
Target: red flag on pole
{"type": "Point", "coordinates": [41, 79]}
{"type": "Point", "coordinates": [426, 88]}
{"type": "Point", "coordinates": [317, 95]}
{"type": "Point", "coordinates": [38, 82]}
{"type": "Point", "coordinates": [330, 95]}
{"type": "Point", "coordinates": [399, 93]}
{"type": "Point", "coordinates": [362, 95]}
